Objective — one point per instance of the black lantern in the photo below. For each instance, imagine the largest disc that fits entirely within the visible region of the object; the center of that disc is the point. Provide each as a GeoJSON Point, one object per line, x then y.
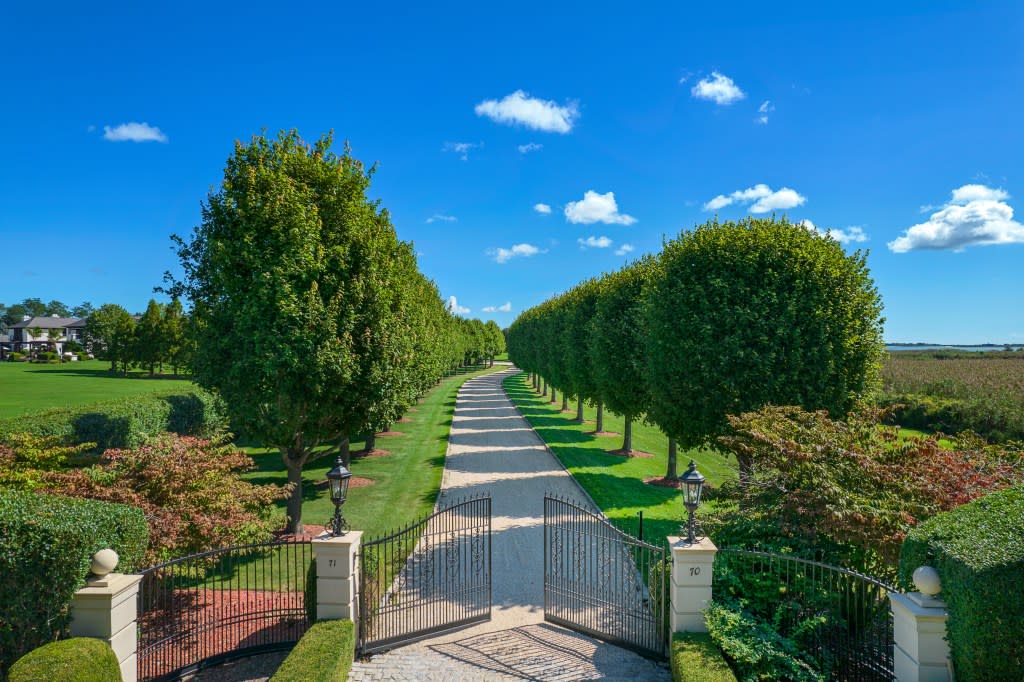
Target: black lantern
{"type": "Point", "coordinates": [338, 478]}
{"type": "Point", "coordinates": [693, 485]}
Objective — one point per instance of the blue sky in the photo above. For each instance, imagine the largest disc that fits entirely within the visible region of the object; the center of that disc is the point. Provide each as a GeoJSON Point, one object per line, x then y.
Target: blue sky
{"type": "Point", "coordinates": [865, 118]}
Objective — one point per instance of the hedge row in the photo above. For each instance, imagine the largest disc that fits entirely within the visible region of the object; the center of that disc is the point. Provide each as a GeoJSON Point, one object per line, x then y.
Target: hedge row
{"type": "Point", "coordinates": [80, 659]}
{"type": "Point", "coordinates": [996, 419]}
{"type": "Point", "coordinates": [324, 654]}
{"type": "Point", "coordinates": [46, 542]}
{"type": "Point", "coordinates": [126, 422]}
{"type": "Point", "coordinates": [978, 550]}
{"type": "Point", "coordinates": [696, 658]}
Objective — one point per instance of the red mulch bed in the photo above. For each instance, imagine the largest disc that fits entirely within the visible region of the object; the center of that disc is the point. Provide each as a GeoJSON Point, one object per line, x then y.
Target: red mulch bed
{"type": "Point", "coordinates": [662, 482]}
{"type": "Point", "coordinates": [634, 453]}
{"type": "Point", "coordinates": [376, 452]}
{"type": "Point", "coordinates": [412, 409]}
{"type": "Point", "coordinates": [406, 420]}
{"type": "Point", "coordinates": [309, 531]}
{"type": "Point", "coordinates": [190, 625]}
{"type": "Point", "coordinates": [389, 434]}
{"type": "Point", "coordinates": [603, 433]}
{"type": "Point", "coordinates": [354, 482]}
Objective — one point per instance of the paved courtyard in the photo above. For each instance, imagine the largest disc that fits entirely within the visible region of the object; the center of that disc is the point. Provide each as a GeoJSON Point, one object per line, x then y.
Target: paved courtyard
{"type": "Point", "coordinates": [494, 450]}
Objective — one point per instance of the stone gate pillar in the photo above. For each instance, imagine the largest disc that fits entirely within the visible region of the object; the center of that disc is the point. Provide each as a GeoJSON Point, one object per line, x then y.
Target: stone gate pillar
{"type": "Point", "coordinates": [337, 575]}
{"type": "Point", "coordinates": [690, 588]}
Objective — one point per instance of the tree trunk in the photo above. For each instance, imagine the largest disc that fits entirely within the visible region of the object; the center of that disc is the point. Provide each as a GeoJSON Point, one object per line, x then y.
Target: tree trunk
{"type": "Point", "coordinates": [345, 452]}
{"type": "Point", "coordinates": [294, 510]}
{"type": "Point", "coordinates": [371, 442]}
{"type": "Point", "coordinates": [554, 394]}
{"type": "Point", "coordinates": [565, 402]}
{"type": "Point", "coordinates": [579, 410]}
{"type": "Point", "coordinates": [627, 436]}
{"type": "Point", "coordinates": [599, 426]}
{"type": "Point", "coordinates": [543, 388]}
{"type": "Point", "coordinates": [670, 472]}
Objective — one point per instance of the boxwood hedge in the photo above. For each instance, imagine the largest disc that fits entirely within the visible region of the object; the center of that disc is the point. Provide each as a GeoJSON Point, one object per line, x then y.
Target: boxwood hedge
{"type": "Point", "coordinates": [324, 654]}
{"type": "Point", "coordinates": [45, 545]}
{"type": "Point", "coordinates": [978, 550]}
{"type": "Point", "coordinates": [126, 422]}
{"type": "Point", "coordinates": [80, 659]}
{"type": "Point", "coordinates": [696, 658]}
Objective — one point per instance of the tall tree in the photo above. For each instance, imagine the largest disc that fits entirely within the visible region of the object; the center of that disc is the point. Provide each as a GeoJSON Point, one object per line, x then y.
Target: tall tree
{"type": "Point", "coordinates": [753, 313]}
{"type": "Point", "coordinates": [57, 308]}
{"type": "Point", "coordinates": [618, 344]}
{"type": "Point", "coordinates": [150, 341]}
{"type": "Point", "coordinates": [83, 309]}
{"type": "Point", "coordinates": [110, 334]}
{"type": "Point", "coordinates": [292, 279]}
{"type": "Point", "coordinates": [174, 332]}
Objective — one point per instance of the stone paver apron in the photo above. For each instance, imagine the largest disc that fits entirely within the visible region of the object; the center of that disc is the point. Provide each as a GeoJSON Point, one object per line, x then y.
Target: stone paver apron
{"type": "Point", "coordinates": [493, 450]}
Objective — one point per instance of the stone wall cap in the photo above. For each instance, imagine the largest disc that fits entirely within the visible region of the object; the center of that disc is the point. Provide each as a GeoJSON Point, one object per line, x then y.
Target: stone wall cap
{"type": "Point", "coordinates": [350, 538]}
{"type": "Point", "coordinates": [929, 609]}
{"type": "Point", "coordinates": [701, 545]}
{"type": "Point", "coordinates": [112, 584]}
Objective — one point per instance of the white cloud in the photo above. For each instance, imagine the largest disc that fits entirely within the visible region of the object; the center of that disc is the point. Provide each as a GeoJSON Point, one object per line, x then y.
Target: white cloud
{"type": "Point", "coordinates": [593, 242]}
{"type": "Point", "coordinates": [624, 249]}
{"type": "Point", "coordinates": [460, 148]}
{"type": "Point", "coordinates": [976, 215]}
{"type": "Point", "coordinates": [597, 208]}
{"type": "Point", "coordinates": [538, 114]}
{"type": "Point", "coordinates": [505, 308]}
{"type": "Point", "coordinates": [719, 88]}
{"type": "Point", "coordinates": [762, 112]}
{"type": "Point", "coordinates": [542, 209]}
{"type": "Point", "coordinates": [503, 255]}
{"type": "Point", "coordinates": [133, 132]}
{"type": "Point", "coordinates": [763, 197]}
{"type": "Point", "coordinates": [441, 218]}
{"type": "Point", "coordinates": [530, 147]}
{"type": "Point", "coordinates": [852, 234]}
{"type": "Point", "coordinates": [453, 306]}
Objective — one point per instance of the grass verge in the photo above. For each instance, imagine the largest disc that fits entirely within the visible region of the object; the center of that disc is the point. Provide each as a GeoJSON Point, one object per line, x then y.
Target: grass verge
{"type": "Point", "coordinates": [406, 481]}
{"type": "Point", "coordinates": [616, 483]}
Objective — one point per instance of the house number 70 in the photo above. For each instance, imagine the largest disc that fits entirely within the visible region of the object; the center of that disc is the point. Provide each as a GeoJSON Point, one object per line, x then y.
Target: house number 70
{"type": "Point", "coordinates": [695, 570]}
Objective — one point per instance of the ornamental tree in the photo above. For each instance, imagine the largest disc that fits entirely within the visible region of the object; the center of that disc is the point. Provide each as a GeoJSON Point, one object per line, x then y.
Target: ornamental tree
{"type": "Point", "coordinates": [110, 334]}
{"type": "Point", "coordinates": [752, 313]}
{"type": "Point", "coordinates": [294, 277]}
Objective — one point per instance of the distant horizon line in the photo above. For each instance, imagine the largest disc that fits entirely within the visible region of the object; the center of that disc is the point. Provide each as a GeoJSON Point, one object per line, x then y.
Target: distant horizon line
{"type": "Point", "coordinates": [952, 345]}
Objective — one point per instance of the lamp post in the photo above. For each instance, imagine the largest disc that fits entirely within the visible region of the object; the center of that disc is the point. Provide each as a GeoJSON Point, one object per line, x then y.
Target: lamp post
{"type": "Point", "coordinates": [693, 485]}
{"type": "Point", "coordinates": [338, 478]}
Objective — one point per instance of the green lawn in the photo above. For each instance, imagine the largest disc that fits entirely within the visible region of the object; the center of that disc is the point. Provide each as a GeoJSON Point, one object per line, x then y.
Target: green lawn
{"type": "Point", "coordinates": [617, 483]}
{"type": "Point", "coordinates": [27, 387]}
{"type": "Point", "coordinates": [406, 481]}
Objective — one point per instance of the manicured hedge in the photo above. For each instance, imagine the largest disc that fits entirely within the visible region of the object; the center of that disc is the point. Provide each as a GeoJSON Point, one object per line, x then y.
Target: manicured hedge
{"type": "Point", "coordinates": [324, 654]}
{"type": "Point", "coordinates": [45, 545]}
{"type": "Point", "coordinates": [978, 550]}
{"type": "Point", "coordinates": [126, 422]}
{"type": "Point", "coordinates": [996, 419]}
{"type": "Point", "coordinates": [696, 658]}
{"type": "Point", "coordinates": [80, 659]}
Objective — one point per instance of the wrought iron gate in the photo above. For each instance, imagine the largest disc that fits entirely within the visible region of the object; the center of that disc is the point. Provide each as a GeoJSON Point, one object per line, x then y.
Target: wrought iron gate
{"type": "Point", "coordinates": [429, 577]}
{"type": "Point", "coordinates": [602, 582]}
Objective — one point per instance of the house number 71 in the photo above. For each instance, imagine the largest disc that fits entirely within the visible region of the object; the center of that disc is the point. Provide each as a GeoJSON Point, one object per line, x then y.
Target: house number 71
{"type": "Point", "coordinates": [332, 562]}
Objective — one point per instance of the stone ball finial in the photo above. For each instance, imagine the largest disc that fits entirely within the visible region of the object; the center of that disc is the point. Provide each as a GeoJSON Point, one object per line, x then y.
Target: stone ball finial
{"type": "Point", "coordinates": [927, 581]}
{"type": "Point", "coordinates": [103, 562]}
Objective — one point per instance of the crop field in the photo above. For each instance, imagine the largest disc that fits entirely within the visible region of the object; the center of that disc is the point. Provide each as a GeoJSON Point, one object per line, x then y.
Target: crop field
{"type": "Point", "coordinates": [952, 392]}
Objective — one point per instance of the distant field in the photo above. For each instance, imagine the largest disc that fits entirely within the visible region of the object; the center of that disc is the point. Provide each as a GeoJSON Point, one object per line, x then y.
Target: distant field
{"type": "Point", "coordinates": [26, 387]}
{"type": "Point", "coordinates": [952, 391]}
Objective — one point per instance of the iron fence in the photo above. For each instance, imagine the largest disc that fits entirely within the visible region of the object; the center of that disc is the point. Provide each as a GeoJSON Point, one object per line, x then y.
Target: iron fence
{"type": "Point", "coordinates": [432, 576]}
{"type": "Point", "coordinates": [839, 619]}
{"type": "Point", "coordinates": [231, 602]}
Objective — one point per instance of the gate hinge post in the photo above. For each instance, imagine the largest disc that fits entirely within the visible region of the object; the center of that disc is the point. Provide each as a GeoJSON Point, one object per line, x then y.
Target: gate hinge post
{"type": "Point", "coordinates": [690, 587]}
{"type": "Point", "coordinates": [108, 609]}
{"type": "Point", "coordinates": [337, 575]}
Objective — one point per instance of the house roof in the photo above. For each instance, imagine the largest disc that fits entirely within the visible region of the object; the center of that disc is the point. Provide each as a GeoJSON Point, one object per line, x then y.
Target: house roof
{"type": "Point", "coordinates": [45, 323]}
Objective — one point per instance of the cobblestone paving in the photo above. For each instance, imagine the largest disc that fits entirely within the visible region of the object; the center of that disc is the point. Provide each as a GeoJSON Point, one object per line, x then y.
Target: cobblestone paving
{"type": "Point", "coordinates": [494, 450]}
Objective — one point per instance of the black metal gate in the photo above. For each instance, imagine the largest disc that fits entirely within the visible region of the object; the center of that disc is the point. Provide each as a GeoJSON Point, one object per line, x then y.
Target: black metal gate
{"type": "Point", "coordinates": [429, 577]}
{"type": "Point", "coordinates": [203, 609]}
{"type": "Point", "coordinates": [601, 581]}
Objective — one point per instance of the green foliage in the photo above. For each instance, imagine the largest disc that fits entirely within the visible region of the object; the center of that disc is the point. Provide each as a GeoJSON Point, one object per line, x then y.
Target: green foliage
{"type": "Point", "coordinates": [25, 458]}
{"type": "Point", "coordinates": [17, 357]}
{"type": "Point", "coordinates": [696, 658]}
{"type": "Point", "coordinates": [150, 340]}
{"type": "Point", "coordinates": [758, 653]}
{"type": "Point", "coordinates": [47, 356]}
{"type": "Point", "coordinates": [757, 312]}
{"type": "Point", "coordinates": [110, 334]}
{"type": "Point", "coordinates": [125, 422]}
{"type": "Point", "coordinates": [303, 301]}
{"type": "Point", "coordinates": [46, 542]}
{"type": "Point", "coordinates": [190, 489]}
{"type": "Point", "coordinates": [978, 550]}
{"type": "Point", "coordinates": [324, 654]}
{"type": "Point", "coordinates": [79, 659]}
